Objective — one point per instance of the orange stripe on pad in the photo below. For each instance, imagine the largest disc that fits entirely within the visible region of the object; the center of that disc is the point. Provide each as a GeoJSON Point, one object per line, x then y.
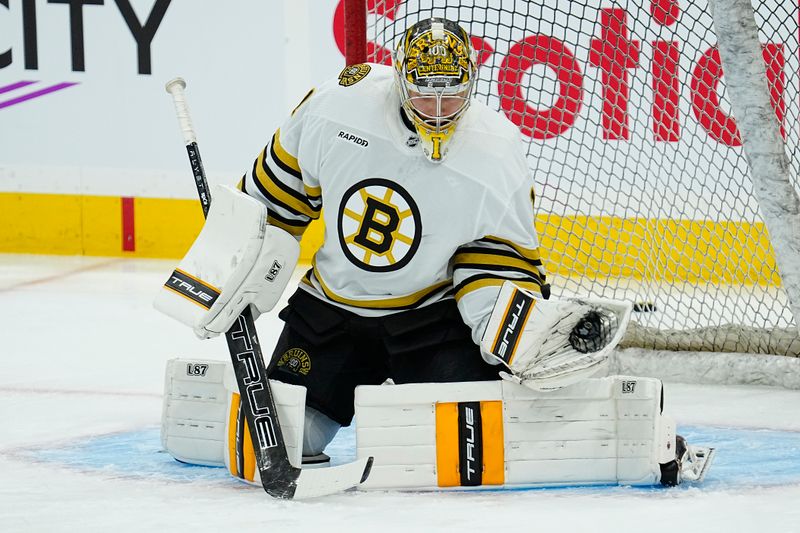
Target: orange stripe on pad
{"type": "Point", "coordinates": [232, 468]}
{"type": "Point", "coordinates": [448, 459]}
{"type": "Point", "coordinates": [447, 445]}
{"type": "Point", "coordinates": [494, 467]}
{"type": "Point", "coordinates": [249, 455]}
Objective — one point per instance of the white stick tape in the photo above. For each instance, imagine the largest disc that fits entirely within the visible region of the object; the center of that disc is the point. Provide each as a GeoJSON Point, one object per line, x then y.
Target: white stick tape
{"type": "Point", "coordinates": [176, 89]}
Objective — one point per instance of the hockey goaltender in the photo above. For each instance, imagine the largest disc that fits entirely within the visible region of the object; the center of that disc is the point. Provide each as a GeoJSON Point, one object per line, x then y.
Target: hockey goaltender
{"type": "Point", "coordinates": [425, 314]}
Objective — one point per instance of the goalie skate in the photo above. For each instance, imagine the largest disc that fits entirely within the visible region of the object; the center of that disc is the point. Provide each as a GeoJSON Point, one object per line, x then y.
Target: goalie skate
{"type": "Point", "coordinates": [696, 462]}
{"type": "Point", "coordinates": [691, 464]}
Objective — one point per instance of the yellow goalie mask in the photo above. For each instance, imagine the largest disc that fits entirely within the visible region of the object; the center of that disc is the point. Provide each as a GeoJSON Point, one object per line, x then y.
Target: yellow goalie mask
{"type": "Point", "coordinates": [435, 69]}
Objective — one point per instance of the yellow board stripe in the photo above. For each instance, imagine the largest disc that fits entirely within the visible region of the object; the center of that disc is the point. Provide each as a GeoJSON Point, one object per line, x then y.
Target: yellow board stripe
{"type": "Point", "coordinates": [447, 472]}
{"type": "Point", "coordinates": [686, 251]}
{"type": "Point", "coordinates": [494, 459]}
{"type": "Point", "coordinates": [232, 415]}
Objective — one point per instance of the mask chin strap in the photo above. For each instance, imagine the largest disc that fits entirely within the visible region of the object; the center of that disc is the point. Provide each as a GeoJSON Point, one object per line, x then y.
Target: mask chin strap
{"type": "Point", "coordinates": [430, 141]}
{"type": "Point", "coordinates": [433, 143]}
{"type": "Point", "coordinates": [434, 139]}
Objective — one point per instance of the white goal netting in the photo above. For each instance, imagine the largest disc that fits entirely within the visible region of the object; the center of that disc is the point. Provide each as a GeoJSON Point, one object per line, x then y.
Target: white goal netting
{"type": "Point", "coordinates": [643, 189]}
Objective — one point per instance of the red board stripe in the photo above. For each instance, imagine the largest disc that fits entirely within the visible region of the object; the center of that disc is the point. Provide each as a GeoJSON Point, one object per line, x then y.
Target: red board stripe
{"type": "Point", "coordinates": [128, 231]}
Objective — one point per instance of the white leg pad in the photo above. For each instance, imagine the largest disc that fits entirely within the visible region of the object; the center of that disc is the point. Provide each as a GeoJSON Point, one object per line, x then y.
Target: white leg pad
{"type": "Point", "coordinates": [193, 414]}
{"type": "Point", "coordinates": [500, 434]}
{"type": "Point", "coordinates": [201, 424]}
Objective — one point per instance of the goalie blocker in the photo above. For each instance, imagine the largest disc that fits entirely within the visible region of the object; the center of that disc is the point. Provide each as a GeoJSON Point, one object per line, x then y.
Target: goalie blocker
{"type": "Point", "coordinates": [450, 436]}
{"type": "Point", "coordinates": [237, 260]}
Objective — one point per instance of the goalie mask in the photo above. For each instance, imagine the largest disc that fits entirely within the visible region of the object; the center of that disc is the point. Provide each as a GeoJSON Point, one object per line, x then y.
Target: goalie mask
{"type": "Point", "coordinates": [435, 69]}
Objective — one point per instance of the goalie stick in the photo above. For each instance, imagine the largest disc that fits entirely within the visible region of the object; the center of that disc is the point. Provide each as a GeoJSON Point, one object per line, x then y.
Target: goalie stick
{"type": "Point", "coordinates": [279, 478]}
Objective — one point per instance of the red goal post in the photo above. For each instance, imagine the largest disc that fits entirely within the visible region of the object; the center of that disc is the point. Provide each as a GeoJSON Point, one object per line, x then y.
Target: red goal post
{"type": "Point", "coordinates": [664, 138]}
{"type": "Point", "coordinates": [355, 31]}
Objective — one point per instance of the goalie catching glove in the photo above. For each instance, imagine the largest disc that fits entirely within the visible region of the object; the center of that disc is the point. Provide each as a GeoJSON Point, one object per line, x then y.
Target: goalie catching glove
{"type": "Point", "coordinates": [549, 344]}
{"type": "Point", "coordinates": [237, 260]}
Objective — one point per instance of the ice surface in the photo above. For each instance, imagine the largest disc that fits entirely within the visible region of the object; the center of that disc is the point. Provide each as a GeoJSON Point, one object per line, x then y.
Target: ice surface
{"type": "Point", "coordinates": [82, 356]}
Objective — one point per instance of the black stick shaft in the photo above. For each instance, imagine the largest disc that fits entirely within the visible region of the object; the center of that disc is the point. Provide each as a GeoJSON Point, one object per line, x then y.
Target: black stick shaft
{"type": "Point", "coordinates": [278, 476]}
{"type": "Point", "coordinates": [199, 174]}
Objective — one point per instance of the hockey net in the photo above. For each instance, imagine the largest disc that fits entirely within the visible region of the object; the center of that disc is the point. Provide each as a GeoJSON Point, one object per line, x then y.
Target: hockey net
{"type": "Point", "coordinates": [644, 192]}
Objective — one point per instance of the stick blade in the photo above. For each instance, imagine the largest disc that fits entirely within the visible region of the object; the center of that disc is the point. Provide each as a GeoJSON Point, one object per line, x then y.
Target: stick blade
{"type": "Point", "coordinates": [316, 482]}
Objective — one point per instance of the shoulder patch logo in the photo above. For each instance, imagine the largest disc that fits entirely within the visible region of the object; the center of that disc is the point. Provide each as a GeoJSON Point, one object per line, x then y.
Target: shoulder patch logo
{"type": "Point", "coordinates": [353, 74]}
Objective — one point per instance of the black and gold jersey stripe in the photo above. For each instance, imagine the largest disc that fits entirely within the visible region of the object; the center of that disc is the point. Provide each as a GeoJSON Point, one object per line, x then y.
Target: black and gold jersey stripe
{"type": "Point", "coordinates": [289, 225]}
{"type": "Point", "coordinates": [479, 281]}
{"type": "Point", "coordinates": [489, 261]}
{"type": "Point", "coordinates": [428, 295]}
{"type": "Point", "coordinates": [279, 193]}
{"type": "Point", "coordinates": [276, 180]}
{"type": "Point", "coordinates": [287, 162]}
{"type": "Point", "coordinates": [294, 227]}
{"type": "Point", "coordinates": [496, 260]}
{"type": "Point", "coordinates": [279, 161]}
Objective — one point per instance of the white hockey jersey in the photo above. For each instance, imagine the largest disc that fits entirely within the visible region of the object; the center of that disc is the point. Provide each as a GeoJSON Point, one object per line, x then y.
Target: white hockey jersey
{"type": "Point", "coordinates": [401, 232]}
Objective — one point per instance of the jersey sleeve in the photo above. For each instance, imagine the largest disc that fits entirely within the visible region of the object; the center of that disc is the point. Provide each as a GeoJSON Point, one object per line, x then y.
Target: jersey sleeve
{"type": "Point", "coordinates": [510, 253]}
{"type": "Point", "coordinates": [283, 180]}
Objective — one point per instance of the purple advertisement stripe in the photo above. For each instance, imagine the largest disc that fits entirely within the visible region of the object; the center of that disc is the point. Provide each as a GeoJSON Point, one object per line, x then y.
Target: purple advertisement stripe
{"type": "Point", "coordinates": [14, 86]}
{"type": "Point", "coordinates": [36, 94]}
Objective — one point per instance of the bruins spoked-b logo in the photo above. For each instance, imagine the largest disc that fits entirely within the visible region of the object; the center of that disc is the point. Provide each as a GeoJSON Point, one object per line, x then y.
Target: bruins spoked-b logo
{"type": "Point", "coordinates": [379, 225]}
